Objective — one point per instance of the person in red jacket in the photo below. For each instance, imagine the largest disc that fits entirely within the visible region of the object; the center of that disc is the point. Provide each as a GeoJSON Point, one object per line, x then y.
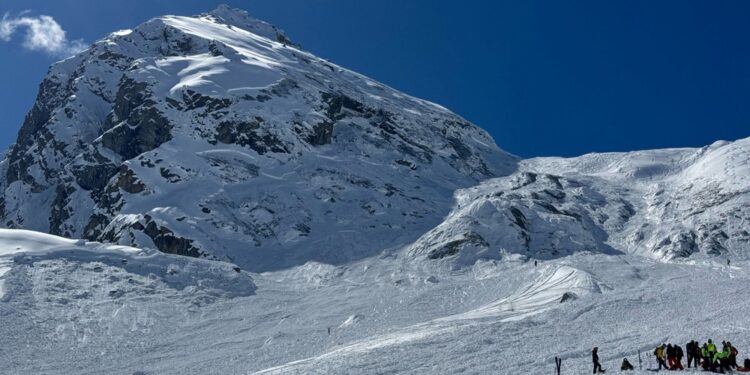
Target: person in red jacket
{"type": "Point", "coordinates": [732, 355]}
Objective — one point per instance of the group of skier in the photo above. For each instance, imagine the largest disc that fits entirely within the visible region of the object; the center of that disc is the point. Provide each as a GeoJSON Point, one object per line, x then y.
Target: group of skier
{"type": "Point", "coordinates": [706, 357]}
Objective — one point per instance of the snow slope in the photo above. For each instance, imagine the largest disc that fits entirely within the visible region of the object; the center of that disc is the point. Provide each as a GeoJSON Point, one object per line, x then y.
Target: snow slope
{"type": "Point", "coordinates": [661, 204]}
{"type": "Point", "coordinates": [21, 251]}
{"type": "Point", "coordinates": [378, 315]}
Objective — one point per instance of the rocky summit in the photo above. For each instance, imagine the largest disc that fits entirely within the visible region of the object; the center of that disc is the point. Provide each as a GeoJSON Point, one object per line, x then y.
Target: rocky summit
{"type": "Point", "coordinates": [218, 136]}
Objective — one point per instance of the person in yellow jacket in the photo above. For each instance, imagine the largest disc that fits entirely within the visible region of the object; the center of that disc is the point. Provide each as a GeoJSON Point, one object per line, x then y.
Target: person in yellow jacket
{"type": "Point", "coordinates": [711, 347]}
{"type": "Point", "coordinates": [661, 355]}
{"type": "Point", "coordinates": [705, 356]}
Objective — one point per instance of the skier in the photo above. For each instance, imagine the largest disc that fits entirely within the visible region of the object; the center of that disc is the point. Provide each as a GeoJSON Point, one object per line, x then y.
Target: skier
{"type": "Point", "coordinates": [690, 351]}
{"type": "Point", "coordinates": [659, 354]}
{"type": "Point", "coordinates": [711, 348]}
{"type": "Point", "coordinates": [678, 358]}
{"type": "Point", "coordinates": [706, 357]}
{"type": "Point", "coordinates": [671, 356]}
{"type": "Point", "coordinates": [732, 355]}
{"type": "Point", "coordinates": [595, 359]}
{"type": "Point", "coordinates": [626, 366]}
{"type": "Point", "coordinates": [721, 360]}
{"type": "Point", "coordinates": [696, 353]}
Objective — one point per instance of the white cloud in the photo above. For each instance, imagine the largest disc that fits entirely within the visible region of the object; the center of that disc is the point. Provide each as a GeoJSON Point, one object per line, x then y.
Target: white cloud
{"type": "Point", "coordinates": [43, 33]}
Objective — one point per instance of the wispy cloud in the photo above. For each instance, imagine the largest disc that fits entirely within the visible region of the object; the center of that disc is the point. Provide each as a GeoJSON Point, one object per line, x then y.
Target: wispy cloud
{"type": "Point", "coordinates": [42, 33]}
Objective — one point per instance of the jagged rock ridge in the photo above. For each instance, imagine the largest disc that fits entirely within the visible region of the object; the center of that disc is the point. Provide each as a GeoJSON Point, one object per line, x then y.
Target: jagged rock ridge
{"type": "Point", "coordinates": [216, 135]}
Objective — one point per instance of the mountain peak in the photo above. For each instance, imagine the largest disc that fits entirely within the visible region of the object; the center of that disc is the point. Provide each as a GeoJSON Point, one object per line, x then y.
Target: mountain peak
{"type": "Point", "coordinates": [206, 122]}
{"type": "Point", "coordinates": [240, 18]}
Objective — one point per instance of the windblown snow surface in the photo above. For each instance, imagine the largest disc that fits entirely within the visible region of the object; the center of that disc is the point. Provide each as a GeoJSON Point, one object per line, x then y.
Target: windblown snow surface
{"type": "Point", "coordinates": [78, 307]}
{"type": "Point", "coordinates": [313, 221]}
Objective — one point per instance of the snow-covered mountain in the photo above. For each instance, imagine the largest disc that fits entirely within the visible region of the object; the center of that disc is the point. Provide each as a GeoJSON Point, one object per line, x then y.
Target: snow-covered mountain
{"type": "Point", "coordinates": [661, 204]}
{"type": "Point", "coordinates": [217, 136]}
{"type": "Point", "coordinates": [393, 236]}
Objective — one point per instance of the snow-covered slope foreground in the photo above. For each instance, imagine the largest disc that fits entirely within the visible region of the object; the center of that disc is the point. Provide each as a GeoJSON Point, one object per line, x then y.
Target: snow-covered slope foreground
{"type": "Point", "coordinates": [216, 135]}
{"type": "Point", "coordinates": [71, 307]}
{"type": "Point", "coordinates": [41, 267]}
{"type": "Point", "coordinates": [662, 204]}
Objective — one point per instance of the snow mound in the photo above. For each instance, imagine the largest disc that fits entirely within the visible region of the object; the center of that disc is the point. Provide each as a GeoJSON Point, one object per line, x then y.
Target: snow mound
{"type": "Point", "coordinates": [23, 253]}
{"type": "Point", "coordinates": [555, 285]}
{"type": "Point", "coordinates": [526, 214]}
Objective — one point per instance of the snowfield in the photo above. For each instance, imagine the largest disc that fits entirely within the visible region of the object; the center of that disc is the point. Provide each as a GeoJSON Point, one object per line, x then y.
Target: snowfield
{"type": "Point", "coordinates": [84, 311]}
{"type": "Point", "coordinates": [249, 208]}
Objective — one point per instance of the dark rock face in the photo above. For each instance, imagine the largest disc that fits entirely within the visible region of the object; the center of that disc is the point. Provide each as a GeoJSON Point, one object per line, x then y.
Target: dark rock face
{"type": "Point", "coordinates": [338, 103]}
{"type": "Point", "coordinates": [33, 136]}
{"type": "Point", "coordinates": [95, 228]}
{"type": "Point", "coordinates": [194, 100]}
{"type": "Point", "coordinates": [144, 130]}
{"type": "Point", "coordinates": [128, 182]}
{"type": "Point", "coordinates": [166, 241]}
{"type": "Point", "coordinates": [453, 247]}
{"type": "Point", "coordinates": [135, 124]}
{"type": "Point", "coordinates": [94, 177]}
{"type": "Point", "coordinates": [130, 95]}
{"type": "Point", "coordinates": [60, 212]}
{"type": "Point", "coordinates": [250, 134]}
{"type": "Point", "coordinates": [322, 134]}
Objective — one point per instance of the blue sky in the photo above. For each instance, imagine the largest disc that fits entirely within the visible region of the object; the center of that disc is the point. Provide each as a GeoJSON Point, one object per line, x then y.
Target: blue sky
{"type": "Point", "coordinates": [543, 77]}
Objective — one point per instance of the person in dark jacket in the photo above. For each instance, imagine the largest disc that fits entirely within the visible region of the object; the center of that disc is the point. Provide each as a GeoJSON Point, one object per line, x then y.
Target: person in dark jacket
{"type": "Point", "coordinates": [690, 349]}
{"type": "Point", "coordinates": [595, 359]}
{"type": "Point", "coordinates": [732, 355]}
{"type": "Point", "coordinates": [678, 354]}
{"type": "Point", "coordinates": [626, 366]}
{"type": "Point", "coordinates": [697, 354]}
{"type": "Point", "coordinates": [671, 356]}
